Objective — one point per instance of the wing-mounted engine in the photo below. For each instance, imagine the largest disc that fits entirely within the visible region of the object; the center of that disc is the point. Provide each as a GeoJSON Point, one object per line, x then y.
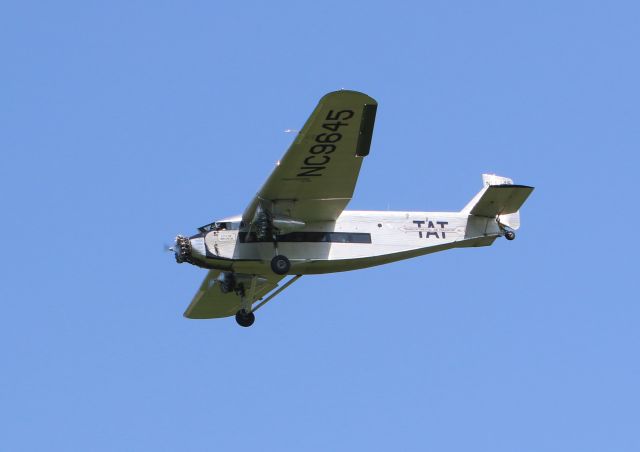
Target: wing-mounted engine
{"type": "Point", "coordinates": [267, 224]}
{"type": "Point", "coordinates": [262, 224]}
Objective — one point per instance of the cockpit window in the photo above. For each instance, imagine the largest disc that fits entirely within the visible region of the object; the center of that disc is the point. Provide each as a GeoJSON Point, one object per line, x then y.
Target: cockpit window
{"type": "Point", "coordinates": [221, 226]}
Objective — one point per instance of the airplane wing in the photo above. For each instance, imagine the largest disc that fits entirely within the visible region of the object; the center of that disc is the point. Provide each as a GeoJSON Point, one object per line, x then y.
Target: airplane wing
{"type": "Point", "coordinates": [315, 179]}
{"type": "Point", "coordinates": [210, 302]}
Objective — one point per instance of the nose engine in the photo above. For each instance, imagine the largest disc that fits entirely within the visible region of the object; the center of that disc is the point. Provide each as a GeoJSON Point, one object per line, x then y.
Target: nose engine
{"type": "Point", "coordinates": [182, 249]}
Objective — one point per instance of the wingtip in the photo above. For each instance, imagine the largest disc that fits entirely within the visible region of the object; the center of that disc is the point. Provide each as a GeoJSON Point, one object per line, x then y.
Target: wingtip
{"type": "Point", "coordinates": [347, 93]}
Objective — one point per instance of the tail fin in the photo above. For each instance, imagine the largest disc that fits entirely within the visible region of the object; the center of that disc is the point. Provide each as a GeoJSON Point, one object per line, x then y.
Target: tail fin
{"type": "Point", "coordinates": [499, 198]}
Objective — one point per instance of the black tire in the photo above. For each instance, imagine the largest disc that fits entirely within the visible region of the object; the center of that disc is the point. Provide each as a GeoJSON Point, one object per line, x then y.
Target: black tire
{"type": "Point", "coordinates": [244, 319]}
{"type": "Point", "coordinates": [280, 265]}
{"type": "Point", "coordinates": [509, 235]}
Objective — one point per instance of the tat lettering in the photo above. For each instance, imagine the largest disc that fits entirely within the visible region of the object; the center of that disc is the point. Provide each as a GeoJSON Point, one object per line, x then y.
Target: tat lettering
{"type": "Point", "coordinates": [430, 229]}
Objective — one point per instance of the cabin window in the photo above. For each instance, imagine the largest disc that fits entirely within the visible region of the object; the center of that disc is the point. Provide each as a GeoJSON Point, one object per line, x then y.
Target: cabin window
{"type": "Point", "coordinates": [311, 237]}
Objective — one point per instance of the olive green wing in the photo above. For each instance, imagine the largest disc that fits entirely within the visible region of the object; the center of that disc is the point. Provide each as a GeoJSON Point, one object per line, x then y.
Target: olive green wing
{"type": "Point", "coordinates": [316, 178]}
{"type": "Point", "coordinates": [210, 302]}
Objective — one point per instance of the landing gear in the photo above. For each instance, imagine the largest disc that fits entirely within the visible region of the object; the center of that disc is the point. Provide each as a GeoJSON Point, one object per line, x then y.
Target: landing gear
{"type": "Point", "coordinates": [506, 230]}
{"type": "Point", "coordinates": [280, 265]}
{"type": "Point", "coordinates": [245, 318]}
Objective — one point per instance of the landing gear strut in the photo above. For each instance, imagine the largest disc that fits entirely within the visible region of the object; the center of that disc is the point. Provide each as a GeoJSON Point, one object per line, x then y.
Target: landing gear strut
{"type": "Point", "coordinates": [245, 318]}
{"type": "Point", "coordinates": [280, 265]}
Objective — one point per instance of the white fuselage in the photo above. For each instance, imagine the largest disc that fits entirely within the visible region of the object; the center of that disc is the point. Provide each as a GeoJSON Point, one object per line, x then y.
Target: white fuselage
{"type": "Point", "coordinates": [357, 239]}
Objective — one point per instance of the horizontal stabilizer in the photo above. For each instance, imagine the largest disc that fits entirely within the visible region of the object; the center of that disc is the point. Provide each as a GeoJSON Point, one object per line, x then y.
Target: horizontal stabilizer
{"type": "Point", "coordinates": [501, 200]}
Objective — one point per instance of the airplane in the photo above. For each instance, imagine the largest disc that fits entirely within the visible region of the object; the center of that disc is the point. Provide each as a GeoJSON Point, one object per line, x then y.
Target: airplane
{"type": "Point", "coordinates": [297, 223]}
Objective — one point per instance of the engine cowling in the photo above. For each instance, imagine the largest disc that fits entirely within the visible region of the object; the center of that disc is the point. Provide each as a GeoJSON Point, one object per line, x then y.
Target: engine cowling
{"type": "Point", "coordinates": [182, 249]}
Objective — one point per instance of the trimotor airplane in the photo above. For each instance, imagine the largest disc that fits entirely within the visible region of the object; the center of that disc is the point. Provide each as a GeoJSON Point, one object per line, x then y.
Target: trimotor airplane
{"type": "Point", "coordinates": [297, 223]}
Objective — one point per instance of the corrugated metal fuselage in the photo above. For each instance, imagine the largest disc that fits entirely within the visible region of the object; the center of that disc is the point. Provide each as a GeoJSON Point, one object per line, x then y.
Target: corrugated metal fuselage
{"type": "Point", "coordinates": [357, 239]}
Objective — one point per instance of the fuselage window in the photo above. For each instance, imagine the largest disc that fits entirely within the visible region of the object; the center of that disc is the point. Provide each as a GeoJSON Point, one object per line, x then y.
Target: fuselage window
{"type": "Point", "coordinates": [311, 237]}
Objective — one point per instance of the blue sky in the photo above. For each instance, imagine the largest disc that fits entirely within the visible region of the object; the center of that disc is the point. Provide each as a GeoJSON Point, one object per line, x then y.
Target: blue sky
{"type": "Point", "coordinates": [124, 123]}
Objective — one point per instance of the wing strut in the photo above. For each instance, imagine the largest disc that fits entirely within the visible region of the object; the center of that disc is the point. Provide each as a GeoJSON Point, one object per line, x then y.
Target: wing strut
{"type": "Point", "coordinates": [287, 284]}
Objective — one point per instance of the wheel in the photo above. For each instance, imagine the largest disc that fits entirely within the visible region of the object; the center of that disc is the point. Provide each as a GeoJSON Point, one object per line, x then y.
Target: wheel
{"type": "Point", "coordinates": [509, 235]}
{"type": "Point", "coordinates": [244, 319]}
{"type": "Point", "coordinates": [280, 265]}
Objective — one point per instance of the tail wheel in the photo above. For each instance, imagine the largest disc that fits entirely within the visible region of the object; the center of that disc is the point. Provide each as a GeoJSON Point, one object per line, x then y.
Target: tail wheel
{"type": "Point", "coordinates": [280, 265]}
{"type": "Point", "coordinates": [244, 318]}
{"type": "Point", "coordinates": [509, 235]}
